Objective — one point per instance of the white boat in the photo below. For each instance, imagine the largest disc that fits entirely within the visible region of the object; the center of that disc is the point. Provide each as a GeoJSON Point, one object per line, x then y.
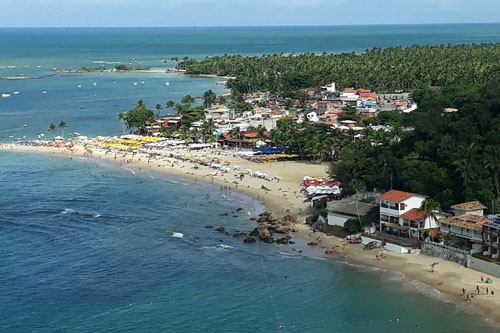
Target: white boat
{"type": "Point", "coordinates": [177, 235]}
{"type": "Point", "coordinates": [44, 91]}
{"type": "Point", "coordinates": [166, 84]}
{"type": "Point", "coordinates": [25, 125]}
{"type": "Point", "coordinates": [114, 82]}
{"type": "Point", "coordinates": [79, 86]}
{"type": "Point", "coordinates": [142, 82]}
{"type": "Point", "coordinates": [4, 95]}
{"type": "Point", "coordinates": [135, 83]}
{"type": "Point", "coordinates": [16, 92]}
{"type": "Point", "coordinates": [94, 84]}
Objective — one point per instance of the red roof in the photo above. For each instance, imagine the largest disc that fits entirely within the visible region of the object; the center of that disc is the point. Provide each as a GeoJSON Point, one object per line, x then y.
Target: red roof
{"type": "Point", "coordinates": [413, 214]}
{"type": "Point", "coordinates": [395, 196]}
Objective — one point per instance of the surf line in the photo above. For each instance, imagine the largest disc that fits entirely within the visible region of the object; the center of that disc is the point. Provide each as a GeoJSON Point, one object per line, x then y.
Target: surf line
{"type": "Point", "coordinates": [131, 171]}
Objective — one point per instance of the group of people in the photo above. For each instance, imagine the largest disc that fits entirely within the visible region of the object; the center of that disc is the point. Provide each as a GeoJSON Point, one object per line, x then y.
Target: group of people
{"type": "Point", "coordinates": [470, 296]}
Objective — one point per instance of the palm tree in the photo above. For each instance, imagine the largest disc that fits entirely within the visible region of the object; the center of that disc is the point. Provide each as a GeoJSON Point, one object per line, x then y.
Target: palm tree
{"type": "Point", "coordinates": [492, 163]}
{"type": "Point", "coordinates": [196, 134]}
{"type": "Point", "coordinates": [62, 125]}
{"type": "Point", "coordinates": [52, 128]}
{"type": "Point", "coordinates": [122, 116]}
{"type": "Point", "coordinates": [466, 162]}
{"type": "Point", "coordinates": [170, 104]}
{"type": "Point", "coordinates": [158, 108]}
{"type": "Point", "coordinates": [261, 132]}
{"type": "Point", "coordinates": [187, 100]}
{"type": "Point", "coordinates": [208, 130]}
{"type": "Point", "coordinates": [185, 134]}
{"type": "Point", "coordinates": [209, 98]}
{"type": "Point", "coordinates": [430, 207]}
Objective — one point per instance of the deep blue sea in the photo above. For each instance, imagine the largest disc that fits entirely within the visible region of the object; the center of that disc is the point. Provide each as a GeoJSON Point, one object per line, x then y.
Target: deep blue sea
{"type": "Point", "coordinates": [86, 246]}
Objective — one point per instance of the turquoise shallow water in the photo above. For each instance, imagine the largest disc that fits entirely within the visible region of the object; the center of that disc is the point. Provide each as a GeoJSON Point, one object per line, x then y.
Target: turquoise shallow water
{"type": "Point", "coordinates": [86, 246]}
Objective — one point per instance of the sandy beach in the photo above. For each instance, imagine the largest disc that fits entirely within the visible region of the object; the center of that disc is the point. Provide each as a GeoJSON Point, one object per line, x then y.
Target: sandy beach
{"type": "Point", "coordinates": [448, 278]}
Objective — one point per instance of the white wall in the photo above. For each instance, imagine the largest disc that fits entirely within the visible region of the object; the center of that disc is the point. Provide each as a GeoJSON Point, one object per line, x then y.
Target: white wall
{"type": "Point", "coordinates": [396, 248]}
{"type": "Point", "coordinates": [412, 202]}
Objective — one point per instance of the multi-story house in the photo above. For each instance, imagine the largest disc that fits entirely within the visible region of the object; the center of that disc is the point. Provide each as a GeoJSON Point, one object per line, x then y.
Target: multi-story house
{"type": "Point", "coordinates": [491, 238]}
{"type": "Point", "coordinates": [467, 223]}
{"type": "Point", "coordinates": [400, 215]}
{"type": "Point", "coordinates": [393, 207]}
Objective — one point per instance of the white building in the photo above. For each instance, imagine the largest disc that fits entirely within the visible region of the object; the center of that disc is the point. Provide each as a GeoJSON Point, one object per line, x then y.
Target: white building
{"type": "Point", "coordinates": [393, 205]}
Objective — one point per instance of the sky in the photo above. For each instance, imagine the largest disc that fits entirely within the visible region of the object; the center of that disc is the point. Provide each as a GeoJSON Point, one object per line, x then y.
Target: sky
{"type": "Point", "coordinates": [164, 13]}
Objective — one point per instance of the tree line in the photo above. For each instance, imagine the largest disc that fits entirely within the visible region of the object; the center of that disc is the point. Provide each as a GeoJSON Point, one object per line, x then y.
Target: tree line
{"type": "Point", "coordinates": [382, 70]}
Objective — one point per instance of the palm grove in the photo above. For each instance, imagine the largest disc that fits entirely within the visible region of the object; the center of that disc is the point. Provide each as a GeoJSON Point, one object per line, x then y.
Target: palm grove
{"type": "Point", "coordinates": [450, 157]}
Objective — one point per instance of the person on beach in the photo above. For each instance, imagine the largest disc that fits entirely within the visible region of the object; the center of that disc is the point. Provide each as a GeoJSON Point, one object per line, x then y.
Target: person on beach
{"type": "Point", "coordinates": [463, 291]}
{"type": "Point", "coordinates": [482, 279]}
{"type": "Point", "coordinates": [477, 289]}
{"type": "Point", "coordinates": [492, 293]}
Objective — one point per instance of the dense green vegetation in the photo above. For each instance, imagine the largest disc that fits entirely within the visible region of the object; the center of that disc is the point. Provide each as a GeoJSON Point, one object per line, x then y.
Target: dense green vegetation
{"type": "Point", "coordinates": [138, 116]}
{"type": "Point", "coordinates": [378, 69]}
{"type": "Point", "coordinates": [450, 157]}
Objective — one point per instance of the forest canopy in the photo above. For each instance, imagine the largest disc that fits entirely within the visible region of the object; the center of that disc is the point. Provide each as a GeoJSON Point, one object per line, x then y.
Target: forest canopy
{"type": "Point", "coordinates": [382, 70]}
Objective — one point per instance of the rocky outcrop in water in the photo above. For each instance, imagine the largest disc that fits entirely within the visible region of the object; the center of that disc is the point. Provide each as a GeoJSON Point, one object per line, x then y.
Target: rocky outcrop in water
{"type": "Point", "coordinates": [267, 224]}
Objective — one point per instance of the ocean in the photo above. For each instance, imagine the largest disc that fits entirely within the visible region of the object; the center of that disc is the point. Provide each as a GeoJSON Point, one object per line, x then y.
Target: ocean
{"type": "Point", "coordinates": [88, 246]}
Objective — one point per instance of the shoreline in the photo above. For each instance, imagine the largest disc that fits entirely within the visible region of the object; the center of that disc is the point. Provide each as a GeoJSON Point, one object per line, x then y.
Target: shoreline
{"type": "Point", "coordinates": [449, 278]}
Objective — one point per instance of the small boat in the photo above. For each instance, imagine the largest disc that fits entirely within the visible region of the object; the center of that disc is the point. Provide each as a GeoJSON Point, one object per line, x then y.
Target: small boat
{"type": "Point", "coordinates": [94, 84]}
{"type": "Point", "coordinates": [177, 235]}
{"type": "Point", "coordinates": [79, 86]}
{"type": "Point", "coordinates": [44, 91]}
{"type": "Point", "coordinates": [16, 92]}
{"type": "Point", "coordinates": [166, 84]}
{"type": "Point", "coordinates": [25, 125]}
{"type": "Point", "coordinates": [135, 83]}
{"type": "Point", "coordinates": [370, 246]}
{"type": "Point", "coordinates": [4, 95]}
{"type": "Point", "coordinates": [142, 82]}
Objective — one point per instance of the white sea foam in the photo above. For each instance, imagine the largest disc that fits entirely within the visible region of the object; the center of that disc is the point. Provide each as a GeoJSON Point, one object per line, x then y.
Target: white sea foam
{"type": "Point", "coordinates": [67, 211]}
{"type": "Point", "coordinates": [131, 171]}
{"type": "Point", "coordinates": [289, 255]}
{"type": "Point", "coordinates": [106, 62]}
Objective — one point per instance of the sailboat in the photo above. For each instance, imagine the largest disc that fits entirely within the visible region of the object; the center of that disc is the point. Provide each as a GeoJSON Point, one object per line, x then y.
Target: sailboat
{"type": "Point", "coordinates": [94, 84]}
{"type": "Point", "coordinates": [166, 84]}
{"type": "Point", "coordinates": [135, 83]}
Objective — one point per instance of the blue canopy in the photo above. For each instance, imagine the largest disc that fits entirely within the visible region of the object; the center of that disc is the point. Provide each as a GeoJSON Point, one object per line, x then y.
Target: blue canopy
{"type": "Point", "coordinates": [268, 151]}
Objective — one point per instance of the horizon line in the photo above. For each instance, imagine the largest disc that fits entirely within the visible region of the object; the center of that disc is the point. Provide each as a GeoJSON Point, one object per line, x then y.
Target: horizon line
{"type": "Point", "coordinates": [250, 26]}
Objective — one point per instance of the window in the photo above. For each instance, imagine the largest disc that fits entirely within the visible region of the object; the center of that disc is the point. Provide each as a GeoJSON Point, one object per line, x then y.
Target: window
{"type": "Point", "coordinates": [402, 206]}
